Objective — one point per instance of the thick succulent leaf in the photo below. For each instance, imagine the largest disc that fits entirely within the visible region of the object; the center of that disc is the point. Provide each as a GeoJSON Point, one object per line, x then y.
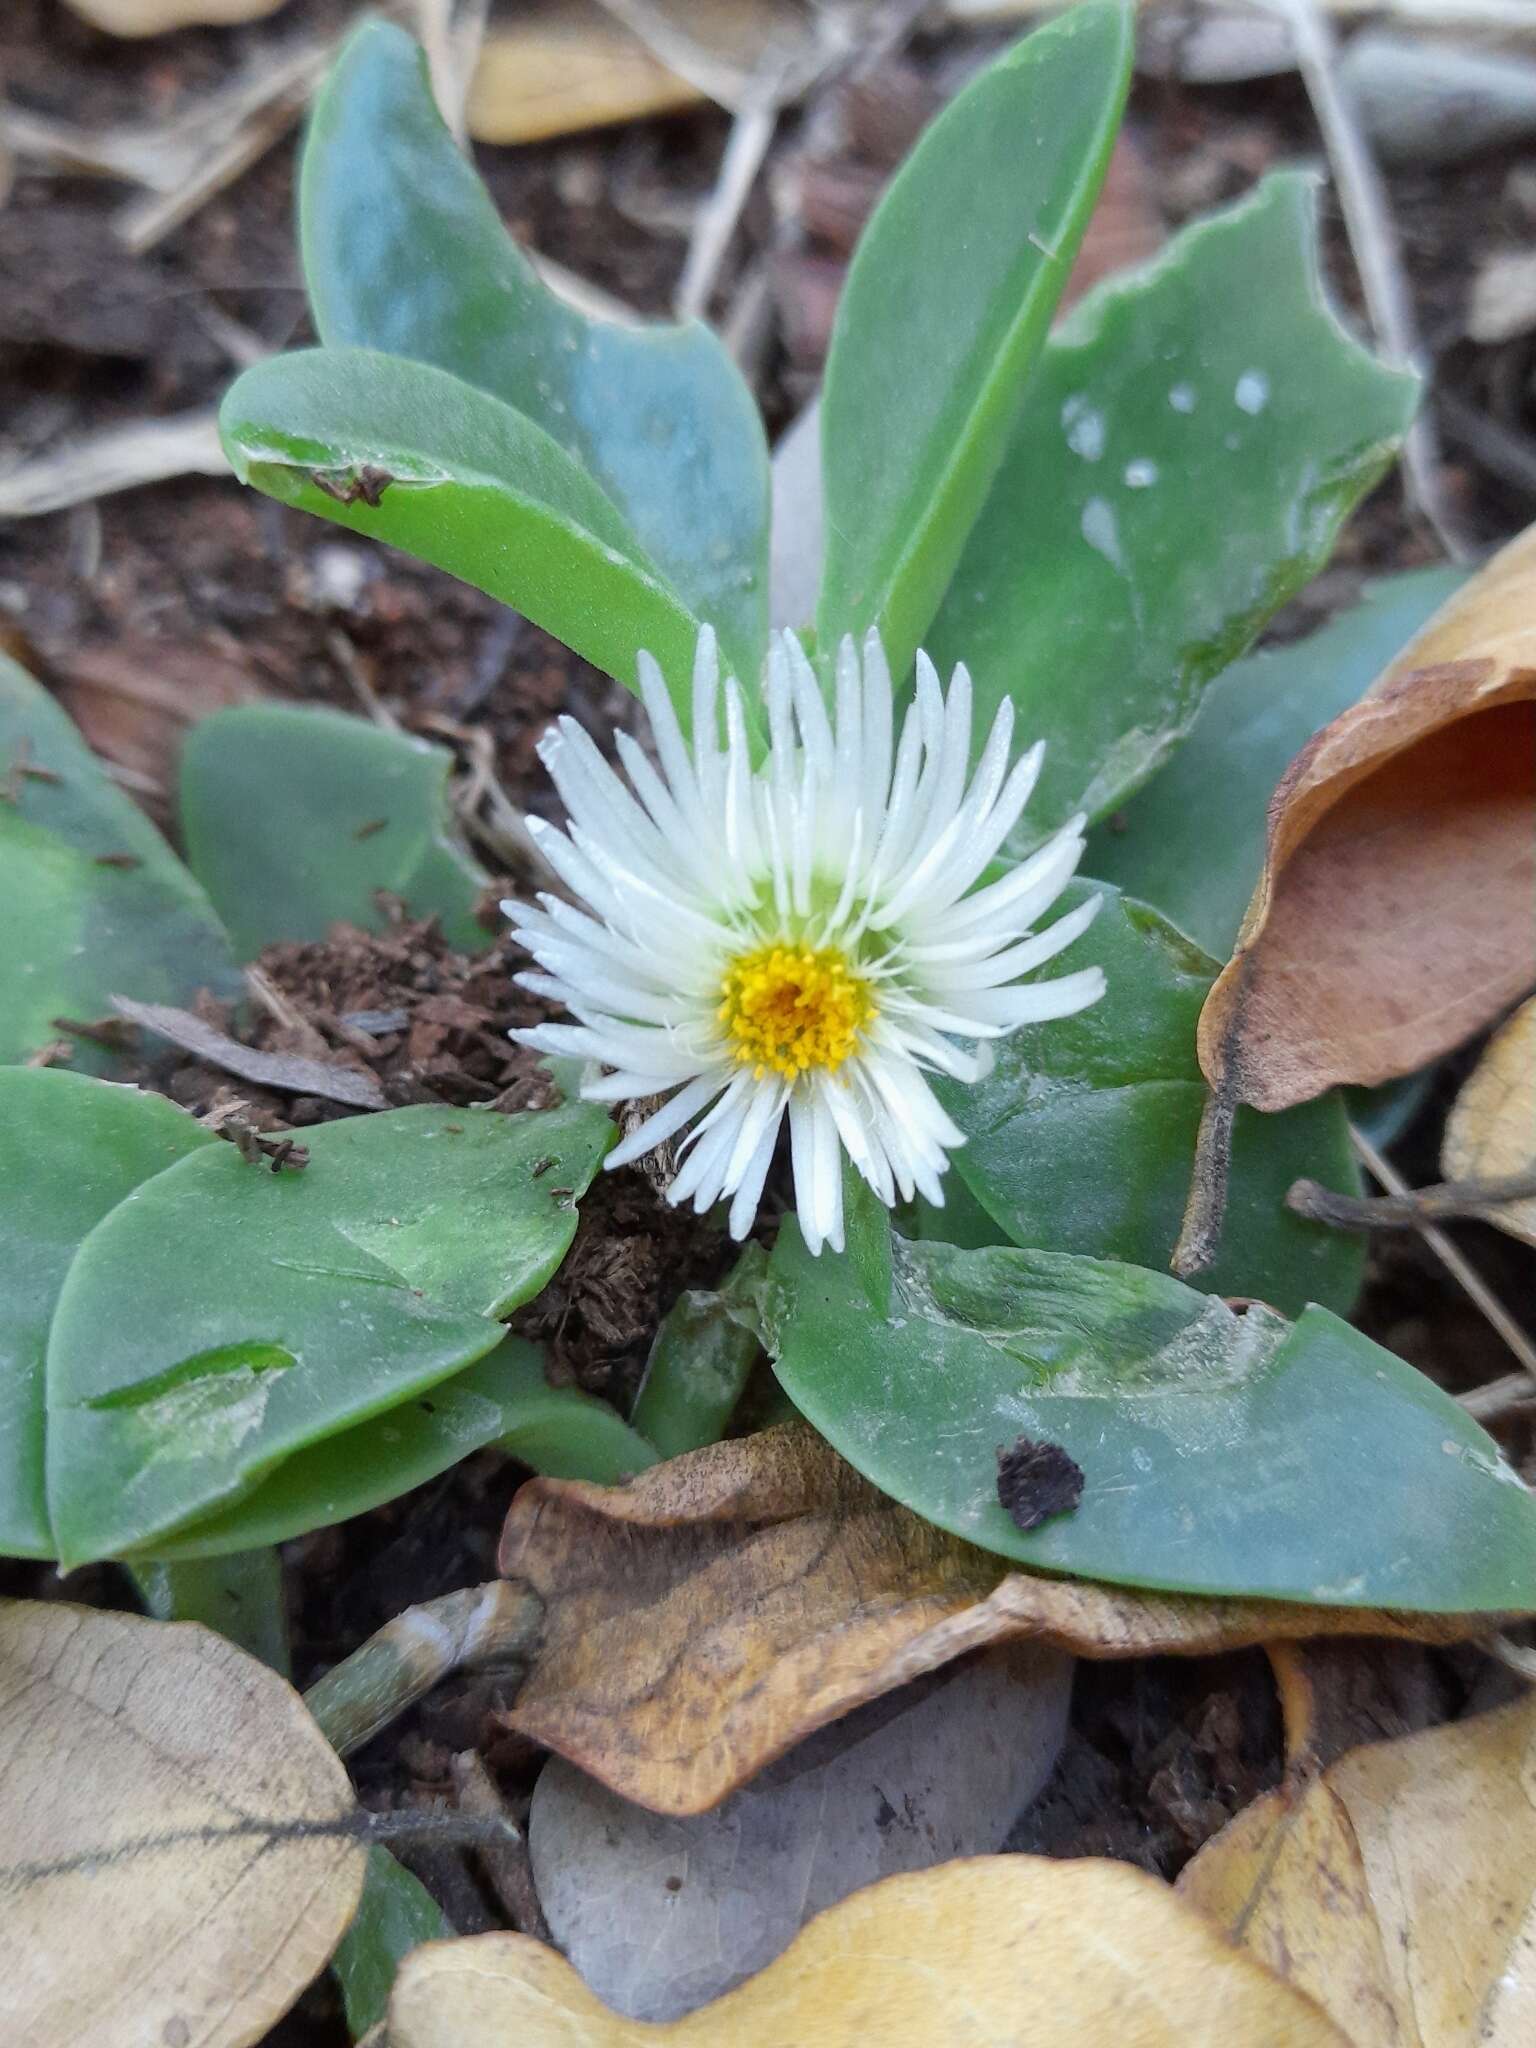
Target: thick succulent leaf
{"type": "Point", "coordinates": [1221, 1453]}
{"type": "Point", "coordinates": [95, 903]}
{"type": "Point", "coordinates": [404, 252]}
{"type": "Point", "coordinates": [944, 313]}
{"type": "Point", "coordinates": [1082, 1137]}
{"type": "Point", "coordinates": [71, 1149]}
{"type": "Point", "coordinates": [295, 818]}
{"type": "Point", "coordinates": [1192, 842]}
{"type": "Point", "coordinates": [409, 454]}
{"type": "Point", "coordinates": [228, 1317]}
{"type": "Point", "coordinates": [395, 1914]}
{"type": "Point", "coordinates": [700, 1362]}
{"type": "Point", "coordinates": [502, 1399]}
{"type": "Point", "coordinates": [1180, 470]}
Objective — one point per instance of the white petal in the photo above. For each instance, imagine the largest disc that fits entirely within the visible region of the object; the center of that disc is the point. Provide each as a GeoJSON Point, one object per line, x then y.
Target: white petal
{"type": "Point", "coordinates": [662, 1123]}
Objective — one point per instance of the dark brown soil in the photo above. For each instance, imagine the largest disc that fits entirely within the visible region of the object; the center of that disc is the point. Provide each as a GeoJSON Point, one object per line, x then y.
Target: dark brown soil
{"type": "Point", "coordinates": [149, 609]}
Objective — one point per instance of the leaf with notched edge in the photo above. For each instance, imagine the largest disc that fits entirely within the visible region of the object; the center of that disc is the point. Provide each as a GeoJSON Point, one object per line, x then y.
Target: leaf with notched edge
{"type": "Point", "coordinates": [706, 1617]}
{"type": "Point", "coordinates": [227, 1321]}
{"type": "Point", "coordinates": [1393, 916]}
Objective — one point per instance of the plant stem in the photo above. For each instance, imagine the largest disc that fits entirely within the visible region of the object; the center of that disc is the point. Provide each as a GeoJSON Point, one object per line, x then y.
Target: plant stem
{"type": "Point", "coordinates": [494, 1624]}
{"type": "Point", "coordinates": [240, 1595]}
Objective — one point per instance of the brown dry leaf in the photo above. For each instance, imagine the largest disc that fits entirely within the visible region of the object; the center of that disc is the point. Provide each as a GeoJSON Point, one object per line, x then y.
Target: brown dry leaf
{"type": "Point", "coordinates": [134, 699]}
{"type": "Point", "coordinates": [1491, 1130]}
{"type": "Point", "coordinates": [1398, 1889]}
{"type": "Point", "coordinates": [563, 70]}
{"type": "Point", "coordinates": [167, 1874]}
{"type": "Point", "coordinates": [155, 17]}
{"type": "Point", "coordinates": [709, 1615]}
{"type": "Point", "coordinates": [1393, 918]}
{"type": "Point", "coordinates": [994, 1949]}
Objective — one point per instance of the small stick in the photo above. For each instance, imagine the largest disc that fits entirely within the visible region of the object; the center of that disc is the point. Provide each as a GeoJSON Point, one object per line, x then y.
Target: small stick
{"type": "Point", "coordinates": [1514, 1390]}
{"type": "Point", "coordinates": [346, 658]}
{"type": "Point", "coordinates": [505, 1861]}
{"type": "Point", "coordinates": [751, 133]}
{"type": "Point", "coordinates": [265, 991]}
{"type": "Point", "coordinates": [504, 833]}
{"type": "Point", "coordinates": [485, 1832]}
{"type": "Point", "coordinates": [1373, 242]}
{"type": "Point", "coordinates": [1449, 1257]}
{"type": "Point", "coordinates": [492, 1624]}
{"type": "Point", "coordinates": [1445, 1202]}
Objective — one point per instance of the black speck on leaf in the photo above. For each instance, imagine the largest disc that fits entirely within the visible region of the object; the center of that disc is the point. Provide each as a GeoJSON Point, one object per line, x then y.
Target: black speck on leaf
{"type": "Point", "coordinates": [1035, 1480]}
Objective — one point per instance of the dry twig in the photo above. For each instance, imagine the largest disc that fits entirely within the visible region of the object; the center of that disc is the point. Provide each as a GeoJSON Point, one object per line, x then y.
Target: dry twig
{"type": "Point", "coordinates": [118, 459]}
{"type": "Point", "coordinates": [1373, 240]}
{"type": "Point", "coordinates": [1445, 1202]}
{"type": "Point", "coordinates": [1449, 1257]}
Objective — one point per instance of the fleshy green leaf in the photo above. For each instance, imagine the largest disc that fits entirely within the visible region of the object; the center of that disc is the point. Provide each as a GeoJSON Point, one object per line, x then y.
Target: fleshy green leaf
{"type": "Point", "coordinates": [503, 1399]}
{"type": "Point", "coordinates": [1082, 1137]}
{"type": "Point", "coordinates": [71, 1149]}
{"type": "Point", "coordinates": [700, 1361]}
{"type": "Point", "coordinates": [1221, 1453]}
{"type": "Point", "coordinates": [404, 251]}
{"type": "Point", "coordinates": [395, 1914]}
{"type": "Point", "coordinates": [1192, 842]}
{"type": "Point", "coordinates": [1181, 469]}
{"type": "Point", "coordinates": [944, 313]}
{"type": "Point", "coordinates": [240, 1595]}
{"type": "Point", "coordinates": [228, 1317]}
{"type": "Point", "coordinates": [408, 454]}
{"type": "Point", "coordinates": [95, 904]}
{"type": "Point", "coordinates": [294, 818]}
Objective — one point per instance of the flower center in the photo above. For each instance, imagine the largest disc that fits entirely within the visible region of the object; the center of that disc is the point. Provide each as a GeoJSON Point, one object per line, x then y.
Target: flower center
{"type": "Point", "coordinates": [788, 1008]}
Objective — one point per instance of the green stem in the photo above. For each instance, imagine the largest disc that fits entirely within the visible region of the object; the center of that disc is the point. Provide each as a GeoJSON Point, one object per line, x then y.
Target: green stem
{"type": "Point", "coordinates": [240, 1595]}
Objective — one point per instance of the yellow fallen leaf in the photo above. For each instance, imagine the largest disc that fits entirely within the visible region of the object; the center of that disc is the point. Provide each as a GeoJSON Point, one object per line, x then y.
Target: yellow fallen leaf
{"type": "Point", "coordinates": [558, 72]}
{"type": "Point", "coordinates": [1393, 915]}
{"type": "Point", "coordinates": [1491, 1130]}
{"type": "Point", "coordinates": [999, 1949]}
{"type": "Point", "coordinates": [1399, 1888]}
{"type": "Point", "coordinates": [155, 17]}
{"type": "Point", "coordinates": [712, 1613]}
{"type": "Point", "coordinates": [166, 1873]}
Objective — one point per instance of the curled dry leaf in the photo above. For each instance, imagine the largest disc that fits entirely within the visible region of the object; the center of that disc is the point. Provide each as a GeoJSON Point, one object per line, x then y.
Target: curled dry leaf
{"type": "Point", "coordinates": [1491, 1130]}
{"type": "Point", "coordinates": [997, 1948]}
{"type": "Point", "coordinates": [1399, 1888]}
{"type": "Point", "coordinates": [173, 1861]}
{"type": "Point", "coordinates": [706, 1617]}
{"type": "Point", "coordinates": [1393, 915]}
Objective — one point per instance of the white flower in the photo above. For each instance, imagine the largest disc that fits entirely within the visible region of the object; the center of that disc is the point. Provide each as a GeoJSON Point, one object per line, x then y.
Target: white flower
{"type": "Point", "coordinates": [796, 936]}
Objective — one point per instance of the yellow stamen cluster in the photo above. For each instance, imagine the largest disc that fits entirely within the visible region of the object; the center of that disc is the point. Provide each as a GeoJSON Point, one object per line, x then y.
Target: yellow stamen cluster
{"type": "Point", "coordinates": [790, 1008]}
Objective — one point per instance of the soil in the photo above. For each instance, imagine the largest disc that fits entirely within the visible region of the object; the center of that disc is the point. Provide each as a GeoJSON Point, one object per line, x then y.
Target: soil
{"type": "Point", "coordinates": [149, 609]}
